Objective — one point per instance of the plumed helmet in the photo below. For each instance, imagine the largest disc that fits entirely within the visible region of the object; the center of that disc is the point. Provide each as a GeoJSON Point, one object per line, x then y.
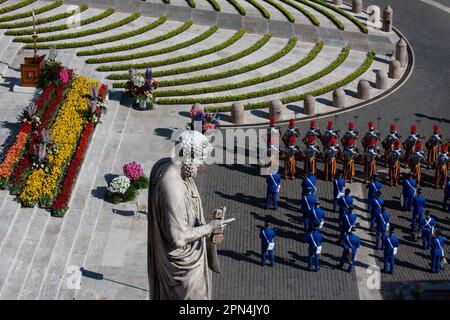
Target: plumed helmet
{"type": "Point", "coordinates": [312, 124]}
{"type": "Point", "coordinates": [370, 124]}
{"type": "Point", "coordinates": [311, 139]}
{"type": "Point", "coordinates": [373, 142]}
{"type": "Point", "coordinates": [397, 143]}
{"type": "Point", "coordinates": [418, 146]}
{"type": "Point", "coordinates": [291, 140]}
{"type": "Point", "coordinates": [351, 126]}
{"type": "Point", "coordinates": [393, 127]}
{"type": "Point", "coordinates": [272, 121]}
{"type": "Point", "coordinates": [413, 129]}
{"type": "Point", "coordinates": [333, 140]}
{"type": "Point", "coordinates": [436, 128]}
{"type": "Point", "coordinates": [443, 147]}
{"type": "Point", "coordinates": [351, 142]}
{"type": "Point", "coordinates": [330, 124]}
{"type": "Point", "coordinates": [291, 123]}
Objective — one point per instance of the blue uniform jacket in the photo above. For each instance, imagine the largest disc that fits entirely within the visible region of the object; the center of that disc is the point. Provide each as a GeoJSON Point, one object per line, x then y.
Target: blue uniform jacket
{"type": "Point", "coordinates": [374, 187]}
{"type": "Point", "coordinates": [352, 242]}
{"type": "Point", "coordinates": [338, 186]}
{"type": "Point", "coordinates": [409, 187]}
{"type": "Point", "coordinates": [345, 202]}
{"type": "Point", "coordinates": [348, 220]}
{"type": "Point", "coordinates": [316, 215]}
{"type": "Point", "coordinates": [309, 182]}
{"type": "Point", "coordinates": [418, 204]}
{"type": "Point", "coordinates": [308, 203]}
{"type": "Point", "coordinates": [437, 246]}
{"type": "Point", "coordinates": [314, 239]}
{"type": "Point", "coordinates": [382, 220]}
{"type": "Point", "coordinates": [390, 242]}
{"type": "Point", "coordinates": [273, 181]}
{"type": "Point", "coordinates": [376, 205]}
{"type": "Point", "coordinates": [426, 226]}
{"type": "Point", "coordinates": [270, 234]}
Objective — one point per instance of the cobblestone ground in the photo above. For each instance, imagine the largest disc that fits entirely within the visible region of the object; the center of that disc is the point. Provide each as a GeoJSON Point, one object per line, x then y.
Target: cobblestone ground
{"type": "Point", "coordinates": [242, 190]}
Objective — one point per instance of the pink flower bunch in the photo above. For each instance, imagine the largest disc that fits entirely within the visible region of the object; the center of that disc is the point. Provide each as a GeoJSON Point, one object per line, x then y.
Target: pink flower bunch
{"type": "Point", "coordinates": [64, 75]}
{"type": "Point", "coordinates": [133, 171]}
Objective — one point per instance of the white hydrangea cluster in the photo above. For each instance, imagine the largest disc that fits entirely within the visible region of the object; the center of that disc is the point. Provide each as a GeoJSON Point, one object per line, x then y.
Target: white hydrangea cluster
{"type": "Point", "coordinates": [137, 79]}
{"type": "Point", "coordinates": [119, 184]}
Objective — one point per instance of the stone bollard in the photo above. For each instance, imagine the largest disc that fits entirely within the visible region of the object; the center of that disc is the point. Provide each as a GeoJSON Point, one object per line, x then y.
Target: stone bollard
{"type": "Point", "coordinates": [363, 89]}
{"type": "Point", "coordinates": [337, 2]}
{"type": "Point", "coordinates": [339, 98]}
{"type": "Point", "coordinates": [275, 108]}
{"type": "Point", "coordinates": [394, 69]}
{"type": "Point", "coordinates": [237, 113]}
{"type": "Point", "coordinates": [382, 80]}
{"type": "Point", "coordinates": [357, 6]}
{"type": "Point", "coordinates": [388, 15]}
{"type": "Point", "coordinates": [401, 52]}
{"type": "Point", "coordinates": [309, 105]}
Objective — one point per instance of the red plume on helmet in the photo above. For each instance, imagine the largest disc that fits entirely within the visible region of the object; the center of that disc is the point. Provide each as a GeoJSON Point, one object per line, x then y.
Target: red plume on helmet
{"type": "Point", "coordinates": [351, 126]}
{"type": "Point", "coordinates": [291, 123]}
{"type": "Point", "coordinates": [436, 128]}
{"type": "Point", "coordinates": [312, 124]}
{"type": "Point", "coordinates": [333, 140]}
{"type": "Point", "coordinates": [370, 124]}
{"type": "Point", "coordinates": [413, 129]}
{"type": "Point", "coordinates": [272, 121]}
{"type": "Point", "coordinates": [373, 142]}
{"type": "Point", "coordinates": [311, 139]}
{"type": "Point", "coordinates": [351, 142]}
{"type": "Point", "coordinates": [418, 146]}
{"type": "Point", "coordinates": [330, 124]}
{"type": "Point", "coordinates": [443, 147]}
{"type": "Point", "coordinates": [393, 127]}
{"type": "Point", "coordinates": [397, 143]}
{"type": "Point", "coordinates": [291, 140]}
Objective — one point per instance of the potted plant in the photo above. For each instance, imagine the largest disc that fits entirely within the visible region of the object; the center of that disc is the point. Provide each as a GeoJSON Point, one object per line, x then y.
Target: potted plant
{"type": "Point", "coordinates": [142, 87]}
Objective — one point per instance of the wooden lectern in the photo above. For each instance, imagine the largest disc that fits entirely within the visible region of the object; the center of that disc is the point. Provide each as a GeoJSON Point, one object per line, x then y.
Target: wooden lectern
{"type": "Point", "coordinates": [31, 70]}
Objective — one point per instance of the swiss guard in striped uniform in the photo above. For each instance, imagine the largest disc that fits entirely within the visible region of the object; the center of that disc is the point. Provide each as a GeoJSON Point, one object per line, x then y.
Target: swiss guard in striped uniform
{"type": "Point", "coordinates": [330, 160]}
{"type": "Point", "coordinates": [394, 157]}
{"type": "Point", "coordinates": [311, 153]}
{"type": "Point", "coordinates": [351, 133]}
{"type": "Point", "coordinates": [290, 160]}
{"type": "Point", "coordinates": [349, 156]}
{"type": "Point", "coordinates": [291, 131]}
{"type": "Point", "coordinates": [433, 146]}
{"type": "Point", "coordinates": [389, 141]}
{"type": "Point", "coordinates": [312, 132]}
{"type": "Point", "coordinates": [327, 135]}
{"type": "Point", "coordinates": [415, 162]}
{"type": "Point", "coordinates": [441, 167]}
{"type": "Point", "coordinates": [410, 143]}
{"type": "Point", "coordinates": [370, 135]}
{"type": "Point", "coordinates": [370, 160]}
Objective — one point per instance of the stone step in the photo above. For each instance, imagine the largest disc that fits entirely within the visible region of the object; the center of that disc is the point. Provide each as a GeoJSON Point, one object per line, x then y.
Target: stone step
{"type": "Point", "coordinates": [8, 214]}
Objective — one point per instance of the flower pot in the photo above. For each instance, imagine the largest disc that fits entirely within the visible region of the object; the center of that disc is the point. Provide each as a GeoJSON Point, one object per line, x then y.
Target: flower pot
{"type": "Point", "coordinates": [142, 103]}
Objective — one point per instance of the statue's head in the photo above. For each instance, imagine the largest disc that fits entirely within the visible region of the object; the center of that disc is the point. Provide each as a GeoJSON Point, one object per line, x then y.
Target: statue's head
{"type": "Point", "coordinates": [193, 150]}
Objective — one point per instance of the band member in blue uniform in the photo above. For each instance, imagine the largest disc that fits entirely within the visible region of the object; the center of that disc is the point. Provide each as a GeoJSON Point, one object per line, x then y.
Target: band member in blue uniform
{"type": "Point", "coordinates": [418, 207]}
{"type": "Point", "coordinates": [372, 188]}
{"type": "Point", "coordinates": [383, 218]}
{"type": "Point", "coordinates": [308, 202]}
{"type": "Point", "coordinates": [314, 239]}
{"type": "Point", "coordinates": [347, 223]}
{"type": "Point", "coordinates": [338, 190]}
{"type": "Point", "coordinates": [267, 236]}
{"type": "Point", "coordinates": [273, 188]}
{"type": "Point", "coordinates": [426, 228]}
{"type": "Point", "coordinates": [317, 216]}
{"type": "Point", "coordinates": [309, 182]}
{"type": "Point", "coordinates": [437, 251]}
{"type": "Point", "coordinates": [409, 190]}
{"type": "Point", "coordinates": [345, 202]}
{"type": "Point", "coordinates": [351, 245]}
{"type": "Point", "coordinates": [375, 206]}
{"type": "Point", "coordinates": [391, 244]}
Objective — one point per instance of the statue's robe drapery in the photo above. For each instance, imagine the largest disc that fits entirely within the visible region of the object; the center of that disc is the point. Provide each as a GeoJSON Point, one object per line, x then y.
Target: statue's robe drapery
{"type": "Point", "coordinates": [175, 207]}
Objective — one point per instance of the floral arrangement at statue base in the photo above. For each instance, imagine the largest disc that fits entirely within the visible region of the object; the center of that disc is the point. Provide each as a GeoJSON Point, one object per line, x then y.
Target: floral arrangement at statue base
{"type": "Point", "coordinates": [42, 164]}
{"type": "Point", "coordinates": [207, 121]}
{"type": "Point", "coordinates": [142, 88]}
{"type": "Point", "coordinates": [125, 188]}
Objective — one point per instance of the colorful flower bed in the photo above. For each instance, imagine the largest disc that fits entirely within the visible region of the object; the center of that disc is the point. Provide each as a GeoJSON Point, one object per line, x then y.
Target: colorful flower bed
{"type": "Point", "coordinates": [42, 165]}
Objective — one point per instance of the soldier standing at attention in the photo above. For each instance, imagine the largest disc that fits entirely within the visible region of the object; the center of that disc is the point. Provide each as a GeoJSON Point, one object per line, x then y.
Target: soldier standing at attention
{"type": "Point", "coordinates": [351, 245]}
{"type": "Point", "coordinates": [314, 239]}
{"type": "Point", "coordinates": [373, 187]}
{"type": "Point", "coordinates": [391, 244]}
{"type": "Point", "coordinates": [351, 133]}
{"type": "Point", "coordinates": [309, 182]}
{"type": "Point", "coordinates": [330, 159]}
{"type": "Point", "coordinates": [317, 216]}
{"type": "Point", "coordinates": [410, 143]}
{"type": "Point", "coordinates": [441, 167]}
{"type": "Point", "coordinates": [427, 228]}
{"type": "Point", "coordinates": [267, 236]}
{"type": "Point", "coordinates": [348, 160]}
{"type": "Point", "coordinates": [418, 206]}
{"type": "Point", "coordinates": [327, 135]}
{"type": "Point", "coordinates": [376, 207]}
{"type": "Point", "coordinates": [308, 202]}
{"type": "Point", "coordinates": [393, 161]}
{"type": "Point", "coordinates": [382, 226]}
{"type": "Point", "coordinates": [338, 190]}
{"type": "Point", "coordinates": [437, 251]}
{"type": "Point", "coordinates": [347, 223]}
{"type": "Point", "coordinates": [371, 134]}
{"type": "Point", "coordinates": [415, 162]}
{"type": "Point", "coordinates": [273, 188]}
{"type": "Point", "coordinates": [409, 190]}
{"type": "Point", "coordinates": [388, 142]}
{"type": "Point", "coordinates": [345, 202]}
{"type": "Point", "coordinates": [432, 146]}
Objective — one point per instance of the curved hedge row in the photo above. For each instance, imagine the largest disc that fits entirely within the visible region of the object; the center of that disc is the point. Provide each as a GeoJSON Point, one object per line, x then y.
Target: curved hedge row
{"type": "Point", "coordinates": [166, 1]}
{"type": "Point", "coordinates": [16, 6]}
{"type": "Point", "coordinates": [326, 13]}
{"type": "Point", "coordinates": [26, 14]}
{"type": "Point", "coordinates": [191, 3]}
{"type": "Point", "coordinates": [305, 12]}
{"type": "Point", "coordinates": [130, 46]}
{"type": "Point", "coordinates": [60, 27]}
{"type": "Point", "coordinates": [256, 94]}
{"type": "Point", "coordinates": [282, 9]}
{"type": "Point", "coordinates": [237, 6]}
{"type": "Point", "coordinates": [214, 4]}
{"type": "Point", "coordinates": [249, 82]}
{"type": "Point", "coordinates": [239, 34]}
{"type": "Point", "coordinates": [260, 8]}
{"type": "Point", "coordinates": [28, 23]}
{"type": "Point", "coordinates": [83, 33]}
{"type": "Point", "coordinates": [265, 104]}
{"type": "Point", "coordinates": [358, 23]}
{"type": "Point", "coordinates": [207, 65]}
{"type": "Point", "coordinates": [150, 53]}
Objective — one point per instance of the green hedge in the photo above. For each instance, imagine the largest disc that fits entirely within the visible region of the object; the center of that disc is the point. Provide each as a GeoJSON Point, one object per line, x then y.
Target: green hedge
{"type": "Point", "coordinates": [30, 13]}
{"type": "Point", "coordinates": [249, 82]}
{"type": "Point", "coordinates": [130, 46]}
{"type": "Point", "coordinates": [237, 6]}
{"type": "Point", "coordinates": [354, 75]}
{"type": "Point", "coordinates": [211, 64]}
{"type": "Point", "coordinates": [166, 1]}
{"type": "Point", "coordinates": [56, 17]}
{"type": "Point", "coordinates": [326, 13]}
{"type": "Point", "coordinates": [149, 53]}
{"type": "Point", "coordinates": [1, 1]}
{"type": "Point", "coordinates": [214, 4]}
{"type": "Point", "coordinates": [256, 94]}
{"type": "Point", "coordinates": [358, 23]}
{"type": "Point", "coordinates": [60, 27]}
{"type": "Point", "coordinates": [191, 3]}
{"type": "Point", "coordinates": [83, 33]}
{"type": "Point", "coordinates": [239, 34]}
{"type": "Point", "coordinates": [260, 8]}
{"type": "Point", "coordinates": [305, 12]}
{"type": "Point", "coordinates": [16, 6]}
{"type": "Point", "coordinates": [282, 9]}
